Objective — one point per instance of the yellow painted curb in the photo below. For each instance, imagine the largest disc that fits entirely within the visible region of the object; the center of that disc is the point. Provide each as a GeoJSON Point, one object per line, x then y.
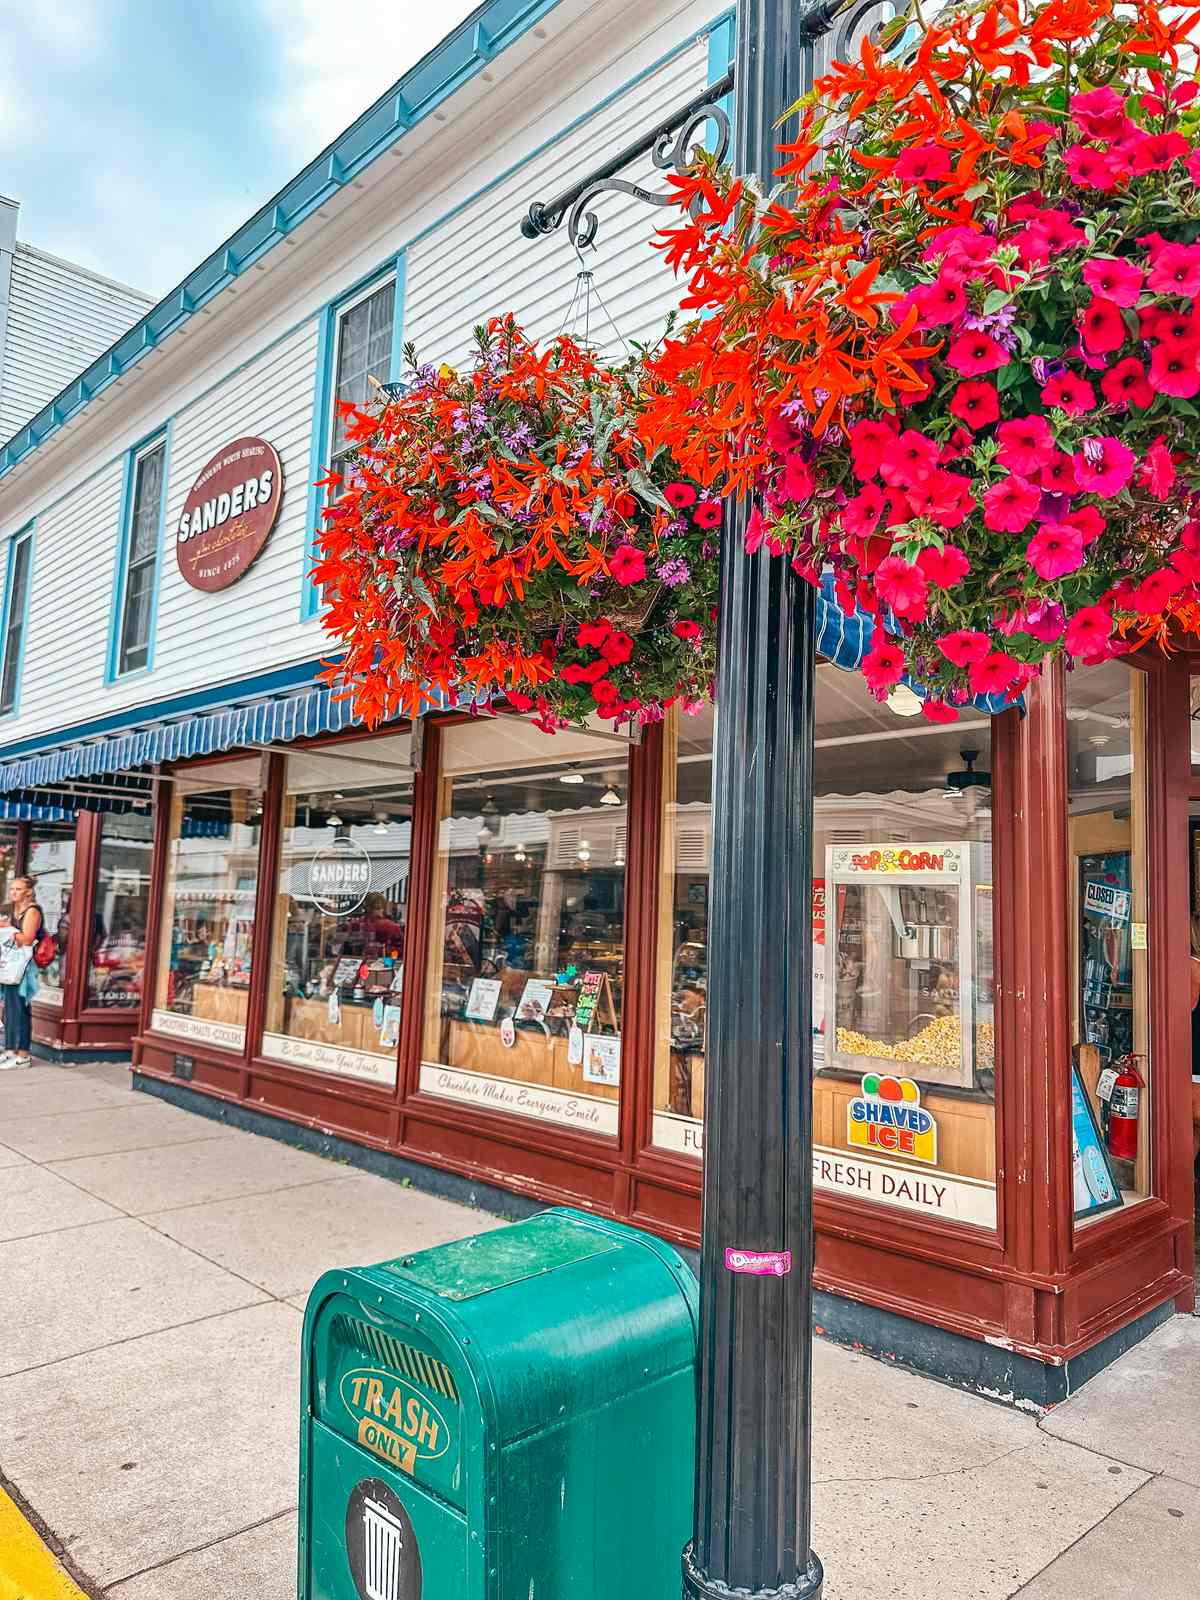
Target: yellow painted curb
{"type": "Point", "coordinates": [27, 1569]}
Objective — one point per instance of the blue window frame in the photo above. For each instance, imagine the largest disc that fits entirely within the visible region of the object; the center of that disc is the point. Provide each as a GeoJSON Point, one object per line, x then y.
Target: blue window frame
{"type": "Point", "coordinates": [358, 346]}
{"type": "Point", "coordinates": [18, 571]}
{"type": "Point", "coordinates": [135, 597]}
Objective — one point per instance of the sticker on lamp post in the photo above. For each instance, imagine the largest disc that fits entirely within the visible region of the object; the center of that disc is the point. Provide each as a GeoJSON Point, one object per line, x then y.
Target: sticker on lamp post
{"type": "Point", "coordinates": [759, 1263]}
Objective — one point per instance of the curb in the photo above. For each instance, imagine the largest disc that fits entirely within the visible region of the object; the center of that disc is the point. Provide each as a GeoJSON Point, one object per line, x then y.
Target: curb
{"type": "Point", "coordinates": [28, 1571]}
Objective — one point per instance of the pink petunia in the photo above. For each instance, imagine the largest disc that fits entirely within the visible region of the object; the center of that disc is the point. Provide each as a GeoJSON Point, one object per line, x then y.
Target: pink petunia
{"type": "Point", "coordinates": [902, 586]}
{"type": "Point", "coordinates": [1150, 596]}
{"type": "Point", "coordinates": [964, 646]}
{"type": "Point", "coordinates": [1104, 466]}
{"type": "Point", "coordinates": [1126, 384]}
{"type": "Point", "coordinates": [943, 568]}
{"type": "Point", "coordinates": [1057, 476]}
{"type": "Point", "coordinates": [975, 353]}
{"type": "Point", "coordinates": [1088, 633]}
{"type": "Point", "coordinates": [934, 709]}
{"type": "Point", "coordinates": [883, 665]}
{"type": "Point", "coordinates": [869, 441]}
{"type": "Point", "coordinates": [1175, 370]}
{"type": "Point", "coordinates": [1026, 443]}
{"type": "Point", "coordinates": [943, 497]}
{"type": "Point", "coordinates": [1010, 505]}
{"type": "Point", "coordinates": [1156, 152]}
{"type": "Point", "coordinates": [1111, 279]}
{"type": "Point", "coordinates": [757, 528]}
{"type": "Point", "coordinates": [1103, 327]}
{"type": "Point", "coordinates": [909, 458]}
{"type": "Point", "coordinates": [1157, 470]}
{"type": "Point", "coordinates": [798, 482]}
{"type": "Point", "coordinates": [1070, 393]}
{"type": "Point", "coordinates": [1055, 550]}
{"type": "Point", "coordinates": [627, 564]}
{"type": "Point", "coordinates": [922, 163]}
{"type": "Point", "coordinates": [993, 674]}
{"type": "Point", "coordinates": [976, 404]}
{"type": "Point", "coordinates": [1088, 521]}
{"type": "Point", "coordinates": [1176, 270]}
{"type": "Point", "coordinates": [940, 302]}
{"type": "Point", "coordinates": [1100, 113]}
{"type": "Point", "coordinates": [860, 515]}
{"type": "Point", "coordinates": [1091, 168]}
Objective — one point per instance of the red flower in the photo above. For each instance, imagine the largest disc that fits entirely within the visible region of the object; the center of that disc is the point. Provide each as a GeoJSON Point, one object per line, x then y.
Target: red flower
{"type": "Point", "coordinates": [909, 458]}
{"type": "Point", "coordinates": [593, 634]}
{"type": "Point", "coordinates": [604, 692]}
{"type": "Point", "coordinates": [1176, 270]}
{"type": "Point", "coordinates": [1010, 505]}
{"type": "Point", "coordinates": [861, 514]}
{"type": "Point", "coordinates": [943, 568]}
{"type": "Point", "coordinates": [922, 163]}
{"type": "Point", "coordinates": [1069, 393]}
{"type": "Point", "coordinates": [627, 564]}
{"type": "Point", "coordinates": [1174, 371]}
{"type": "Point", "coordinates": [685, 629]}
{"type": "Point", "coordinates": [944, 497]}
{"type": "Point", "coordinates": [1026, 443]}
{"type": "Point", "coordinates": [1100, 113]}
{"type": "Point", "coordinates": [617, 649]}
{"type": "Point", "coordinates": [964, 646]}
{"type": "Point", "coordinates": [868, 443]}
{"type": "Point", "coordinates": [707, 514]}
{"type": "Point", "coordinates": [519, 701]}
{"type": "Point", "coordinates": [935, 710]}
{"type": "Point", "coordinates": [1088, 632]}
{"type": "Point", "coordinates": [1055, 549]}
{"type": "Point", "coordinates": [1126, 385]}
{"type": "Point", "coordinates": [976, 404]}
{"type": "Point", "coordinates": [680, 495]}
{"type": "Point", "coordinates": [1175, 327]}
{"type": "Point", "coordinates": [993, 674]}
{"type": "Point", "coordinates": [975, 353]}
{"type": "Point", "coordinates": [902, 586]}
{"type": "Point", "coordinates": [1089, 523]}
{"type": "Point", "coordinates": [1156, 152]}
{"type": "Point", "coordinates": [1152, 594]}
{"type": "Point", "coordinates": [575, 672]}
{"type": "Point", "coordinates": [883, 665]}
{"type": "Point", "coordinates": [1118, 281]}
{"type": "Point", "coordinates": [798, 482]}
{"type": "Point", "coordinates": [940, 302]}
{"type": "Point", "coordinates": [625, 505]}
{"type": "Point", "coordinates": [1103, 326]}
{"type": "Point", "coordinates": [1104, 466]}
{"type": "Point", "coordinates": [1090, 168]}
{"type": "Point", "coordinates": [1057, 476]}
{"type": "Point", "coordinates": [1157, 470]}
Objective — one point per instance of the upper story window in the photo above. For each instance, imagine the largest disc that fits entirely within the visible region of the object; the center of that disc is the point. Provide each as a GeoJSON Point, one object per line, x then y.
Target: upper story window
{"type": "Point", "coordinates": [141, 556]}
{"type": "Point", "coordinates": [362, 352]}
{"type": "Point", "coordinates": [16, 605]}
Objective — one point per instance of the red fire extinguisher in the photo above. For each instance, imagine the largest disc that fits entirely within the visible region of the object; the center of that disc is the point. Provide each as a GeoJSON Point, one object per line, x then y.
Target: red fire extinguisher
{"type": "Point", "coordinates": [1123, 1107]}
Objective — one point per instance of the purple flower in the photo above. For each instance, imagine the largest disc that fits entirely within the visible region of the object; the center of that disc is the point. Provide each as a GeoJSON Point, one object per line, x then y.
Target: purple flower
{"type": "Point", "coordinates": [674, 572]}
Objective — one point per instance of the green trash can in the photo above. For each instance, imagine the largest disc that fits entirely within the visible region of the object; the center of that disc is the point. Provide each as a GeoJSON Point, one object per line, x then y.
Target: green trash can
{"type": "Point", "coordinates": [509, 1417]}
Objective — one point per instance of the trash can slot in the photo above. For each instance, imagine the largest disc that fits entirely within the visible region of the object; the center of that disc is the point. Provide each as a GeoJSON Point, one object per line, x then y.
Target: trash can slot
{"type": "Point", "coordinates": [490, 1261]}
{"type": "Point", "coordinates": [395, 1354]}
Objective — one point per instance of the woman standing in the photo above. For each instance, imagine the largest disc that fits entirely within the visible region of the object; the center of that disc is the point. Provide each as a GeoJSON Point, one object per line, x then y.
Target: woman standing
{"type": "Point", "coordinates": [28, 922]}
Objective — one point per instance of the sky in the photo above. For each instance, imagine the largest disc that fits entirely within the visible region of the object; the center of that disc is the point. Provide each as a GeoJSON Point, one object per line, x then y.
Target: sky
{"type": "Point", "coordinates": [138, 134]}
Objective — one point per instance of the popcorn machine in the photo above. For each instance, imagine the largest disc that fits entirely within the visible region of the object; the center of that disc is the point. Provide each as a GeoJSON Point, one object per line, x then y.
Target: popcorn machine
{"type": "Point", "coordinates": [908, 980]}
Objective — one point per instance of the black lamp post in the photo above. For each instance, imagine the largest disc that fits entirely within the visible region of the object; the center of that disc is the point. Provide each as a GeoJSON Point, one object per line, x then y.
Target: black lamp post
{"type": "Point", "coordinates": [751, 1530]}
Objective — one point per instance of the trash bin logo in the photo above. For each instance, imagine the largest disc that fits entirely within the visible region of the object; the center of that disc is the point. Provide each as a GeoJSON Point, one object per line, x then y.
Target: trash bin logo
{"type": "Point", "coordinates": [381, 1546]}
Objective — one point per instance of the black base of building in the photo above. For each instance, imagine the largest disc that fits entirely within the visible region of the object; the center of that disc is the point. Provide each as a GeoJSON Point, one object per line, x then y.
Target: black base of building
{"type": "Point", "coordinates": [1004, 1376]}
{"type": "Point", "coordinates": [59, 1056]}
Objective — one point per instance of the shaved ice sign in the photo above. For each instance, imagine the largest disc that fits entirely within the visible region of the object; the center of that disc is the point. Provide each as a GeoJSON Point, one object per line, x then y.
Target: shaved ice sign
{"type": "Point", "coordinates": [888, 1118]}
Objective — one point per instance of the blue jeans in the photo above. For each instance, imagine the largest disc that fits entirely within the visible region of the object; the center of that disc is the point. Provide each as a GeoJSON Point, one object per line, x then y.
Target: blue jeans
{"type": "Point", "coordinates": [18, 1019]}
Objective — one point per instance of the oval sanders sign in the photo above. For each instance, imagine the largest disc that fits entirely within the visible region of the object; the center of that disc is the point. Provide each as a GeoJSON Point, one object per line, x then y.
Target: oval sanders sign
{"type": "Point", "coordinates": [229, 513]}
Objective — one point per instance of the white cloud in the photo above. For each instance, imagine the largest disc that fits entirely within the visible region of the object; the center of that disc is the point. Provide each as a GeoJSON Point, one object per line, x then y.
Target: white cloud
{"type": "Point", "coordinates": [339, 56]}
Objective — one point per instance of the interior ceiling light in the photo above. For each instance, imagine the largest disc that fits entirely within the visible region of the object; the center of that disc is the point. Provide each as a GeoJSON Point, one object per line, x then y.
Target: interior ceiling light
{"type": "Point", "coordinates": [490, 809]}
{"type": "Point", "coordinates": [584, 852]}
{"type": "Point", "coordinates": [333, 820]}
{"type": "Point", "coordinates": [381, 822]}
{"type": "Point", "coordinates": [967, 778]}
{"type": "Point", "coordinates": [610, 797]}
{"type": "Point", "coordinates": [903, 702]}
{"type": "Point", "coordinates": [574, 776]}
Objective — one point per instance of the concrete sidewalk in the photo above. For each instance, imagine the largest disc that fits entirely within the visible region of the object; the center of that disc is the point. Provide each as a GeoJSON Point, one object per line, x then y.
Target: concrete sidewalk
{"type": "Point", "coordinates": [153, 1269]}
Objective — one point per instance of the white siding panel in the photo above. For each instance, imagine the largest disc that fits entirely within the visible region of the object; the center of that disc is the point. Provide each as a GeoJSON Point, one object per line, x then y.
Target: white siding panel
{"type": "Point", "coordinates": [60, 318]}
{"type": "Point", "coordinates": [255, 623]}
{"type": "Point", "coordinates": [74, 555]}
{"type": "Point", "coordinates": [478, 264]}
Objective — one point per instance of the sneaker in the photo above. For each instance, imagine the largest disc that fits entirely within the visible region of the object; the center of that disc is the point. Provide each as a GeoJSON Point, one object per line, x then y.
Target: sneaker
{"type": "Point", "coordinates": [20, 1060]}
{"type": "Point", "coordinates": [8, 1059]}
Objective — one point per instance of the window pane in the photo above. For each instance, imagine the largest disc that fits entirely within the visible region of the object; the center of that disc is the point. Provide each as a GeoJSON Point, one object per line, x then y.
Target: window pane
{"type": "Point", "coordinates": [117, 958]}
{"type": "Point", "coordinates": [135, 638]}
{"type": "Point", "coordinates": [364, 352]}
{"type": "Point", "coordinates": [901, 947]}
{"type": "Point", "coordinates": [209, 899]}
{"type": "Point", "coordinates": [526, 960]}
{"type": "Point", "coordinates": [15, 622]}
{"type": "Point", "coordinates": [52, 867]}
{"type": "Point", "coordinates": [337, 969]}
{"type": "Point", "coordinates": [147, 502]}
{"type": "Point", "coordinates": [1107, 790]}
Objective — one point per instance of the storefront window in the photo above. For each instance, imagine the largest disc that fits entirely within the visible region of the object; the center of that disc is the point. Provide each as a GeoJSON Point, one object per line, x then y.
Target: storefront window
{"type": "Point", "coordinates": [1112, 1089]}
{"type": "Point", "coordinates": [903, 1024]}
{"type": "Point", "coordinates": [209, 895]}
{"type": "Point", "coordinates": [526, 957]}
{"type": "Point", "coordinates": [117, 956]}
{"type": "Point", "coordinates": [337, 968]}
{"type": "Point", "coordinates": [52, 866]}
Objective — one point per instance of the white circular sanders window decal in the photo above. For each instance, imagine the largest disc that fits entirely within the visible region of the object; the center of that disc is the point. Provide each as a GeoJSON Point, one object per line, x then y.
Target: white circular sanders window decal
{"type": "Point", "coordinates": [339, 877]}
{"type": "Point", "coordinates": [229, 513]}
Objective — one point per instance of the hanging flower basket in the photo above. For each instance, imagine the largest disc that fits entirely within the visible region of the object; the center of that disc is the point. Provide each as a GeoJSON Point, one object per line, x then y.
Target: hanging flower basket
{"type": "Point", "coordinates": [959, 357]}
{"type": "Point", "coordinates": [506, 532]}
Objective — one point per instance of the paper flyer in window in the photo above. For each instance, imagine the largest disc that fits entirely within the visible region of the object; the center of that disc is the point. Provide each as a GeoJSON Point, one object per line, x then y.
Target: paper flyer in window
{"type": "Point", "coordinates": [482, 1000]}
{"type": "Point", "coordinates": [535, 1001]}
{"type": "Point", "coordinates": [389, 1033]}
{"type": "Point", "coordinates": [602, 1058]}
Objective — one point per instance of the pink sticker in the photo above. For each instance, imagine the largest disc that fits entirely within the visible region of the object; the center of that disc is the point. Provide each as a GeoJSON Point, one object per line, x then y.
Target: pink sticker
{"type": "Point", "coordinates": [762, 1263]}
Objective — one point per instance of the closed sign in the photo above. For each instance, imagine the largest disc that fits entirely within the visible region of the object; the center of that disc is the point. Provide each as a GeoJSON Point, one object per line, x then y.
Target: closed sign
{"type": "Point", "coordinates": [229, 513]}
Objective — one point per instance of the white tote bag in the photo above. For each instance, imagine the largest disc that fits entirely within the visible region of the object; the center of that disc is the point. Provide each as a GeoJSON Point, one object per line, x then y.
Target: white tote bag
{"type": "Point", "coordinates": [14, 957]}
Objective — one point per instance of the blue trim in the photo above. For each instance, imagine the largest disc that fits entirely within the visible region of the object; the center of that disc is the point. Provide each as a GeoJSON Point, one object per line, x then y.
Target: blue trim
{"type": "Point", "coordinates": [299, 674]}
{"type": "Point", "coordinates": [318, 453]}
{"type": "Point", "coordinates": [27, 532]}
{"type": "Point", "coordinates": [722, 41]}
{"type": "Point", "coordinates": [116, 616]}
{"type": "Point", "coordinates": [459, 57]}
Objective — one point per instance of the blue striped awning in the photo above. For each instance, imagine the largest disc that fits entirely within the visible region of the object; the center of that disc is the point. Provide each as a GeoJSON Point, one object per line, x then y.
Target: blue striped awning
{"type": "Point", "coordinates": [316, 711]}
{"type": "Point", "coordinates": [844, 638]}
